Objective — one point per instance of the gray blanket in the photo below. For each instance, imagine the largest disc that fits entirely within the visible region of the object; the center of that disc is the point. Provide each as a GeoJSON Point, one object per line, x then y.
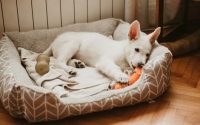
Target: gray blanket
{"type": "Point", "coordinates": [87, 82]}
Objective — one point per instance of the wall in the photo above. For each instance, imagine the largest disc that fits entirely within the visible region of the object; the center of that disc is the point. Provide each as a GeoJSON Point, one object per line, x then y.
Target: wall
{"type": "Point", "coordinates": [24, 15]}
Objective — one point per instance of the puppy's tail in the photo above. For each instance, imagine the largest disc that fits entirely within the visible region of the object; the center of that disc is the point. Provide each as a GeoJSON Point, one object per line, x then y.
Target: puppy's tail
{"type": "Point", "coordinates": [48, 51]}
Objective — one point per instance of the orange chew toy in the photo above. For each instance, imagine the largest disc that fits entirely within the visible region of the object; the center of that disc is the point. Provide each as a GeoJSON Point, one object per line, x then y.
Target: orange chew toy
{"type": "Point", "coordinates": [135, 76]}
{"type": "Point", "coordinates": [132, 79]}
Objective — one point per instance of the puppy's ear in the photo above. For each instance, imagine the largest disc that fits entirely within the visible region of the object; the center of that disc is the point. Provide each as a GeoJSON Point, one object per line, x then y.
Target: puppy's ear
{"type": "Point", "coordinates": [134, 32]}
{"type": "Point", "coordinates": [154, 35]}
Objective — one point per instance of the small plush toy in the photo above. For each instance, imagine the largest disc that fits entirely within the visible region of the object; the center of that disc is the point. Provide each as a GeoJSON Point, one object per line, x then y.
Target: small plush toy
{"type": "Point", "coordinates": [132, 79]}
{"type": "Point", "coordinates": [42, 65]}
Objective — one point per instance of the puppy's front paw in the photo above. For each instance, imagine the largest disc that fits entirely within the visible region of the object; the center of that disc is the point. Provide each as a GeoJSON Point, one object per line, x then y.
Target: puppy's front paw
{"type": "Point", "coordinates": [122, 78]}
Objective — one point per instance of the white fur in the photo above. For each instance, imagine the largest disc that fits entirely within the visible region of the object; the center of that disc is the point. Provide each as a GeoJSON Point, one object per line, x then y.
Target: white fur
{"type": "Point", "coordinates": [108, 56]}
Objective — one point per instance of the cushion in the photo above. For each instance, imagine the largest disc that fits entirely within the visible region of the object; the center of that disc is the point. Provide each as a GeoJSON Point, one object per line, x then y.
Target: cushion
{"type": "Point", "coordinates": [39, 40]}
{"type": "Point", "coordinates": [121, 32]}
{"type": "Point", "coordinates": [22, 98]}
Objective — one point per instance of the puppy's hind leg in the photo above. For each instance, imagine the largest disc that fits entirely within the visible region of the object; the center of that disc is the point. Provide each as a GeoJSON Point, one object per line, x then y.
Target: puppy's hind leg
{"type": "Point", "coordinates": [69, 69]}
{"type": "Point", "coordinates": [109, 68]}
{"type": "Point", "coordinates": [65, 53]}
{"type": "Point", "coordinates": [76, 63]}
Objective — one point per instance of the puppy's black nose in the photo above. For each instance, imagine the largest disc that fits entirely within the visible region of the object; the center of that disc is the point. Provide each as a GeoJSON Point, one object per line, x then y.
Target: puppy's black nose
{"type": "Point", "coordinates": [140, 64]}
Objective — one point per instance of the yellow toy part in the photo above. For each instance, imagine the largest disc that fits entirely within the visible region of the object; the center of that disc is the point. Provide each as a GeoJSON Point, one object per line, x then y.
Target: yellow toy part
{"type": "Point", "coordinates": [42, 65]}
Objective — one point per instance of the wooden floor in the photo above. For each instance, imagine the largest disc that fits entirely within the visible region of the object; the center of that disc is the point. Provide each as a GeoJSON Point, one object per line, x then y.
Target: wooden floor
{"type": "Point", "coordinates": [180, 105]}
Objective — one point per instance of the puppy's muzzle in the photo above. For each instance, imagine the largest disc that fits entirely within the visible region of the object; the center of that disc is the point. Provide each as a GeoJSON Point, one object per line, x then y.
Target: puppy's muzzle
{"type": "Point", "coordinates": [140, 64]}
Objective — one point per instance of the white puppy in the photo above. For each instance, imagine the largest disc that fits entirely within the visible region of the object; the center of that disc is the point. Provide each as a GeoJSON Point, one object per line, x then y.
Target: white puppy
{"type": "Point", "coordinates": [109, 56]}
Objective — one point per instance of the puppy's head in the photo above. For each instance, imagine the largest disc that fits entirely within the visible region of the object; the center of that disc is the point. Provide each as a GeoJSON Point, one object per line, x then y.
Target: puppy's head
{"type": "Point", "coordinates": [139, 45]}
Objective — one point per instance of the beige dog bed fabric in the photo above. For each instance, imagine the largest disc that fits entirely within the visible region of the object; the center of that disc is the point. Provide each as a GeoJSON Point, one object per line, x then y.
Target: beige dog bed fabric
{"type": "Point", "coordinates": [22, 98]}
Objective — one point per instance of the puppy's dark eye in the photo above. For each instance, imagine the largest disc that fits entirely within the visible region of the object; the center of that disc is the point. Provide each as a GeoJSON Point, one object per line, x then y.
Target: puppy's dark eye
{"type": "Point", "coordinates": [147, 54]}
{"type": "Point", "coordinates": [137, 50]}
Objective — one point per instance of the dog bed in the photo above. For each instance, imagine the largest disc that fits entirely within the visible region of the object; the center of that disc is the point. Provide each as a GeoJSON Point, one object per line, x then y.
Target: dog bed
{"type": "Point", "coordinates": [22, 98]}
